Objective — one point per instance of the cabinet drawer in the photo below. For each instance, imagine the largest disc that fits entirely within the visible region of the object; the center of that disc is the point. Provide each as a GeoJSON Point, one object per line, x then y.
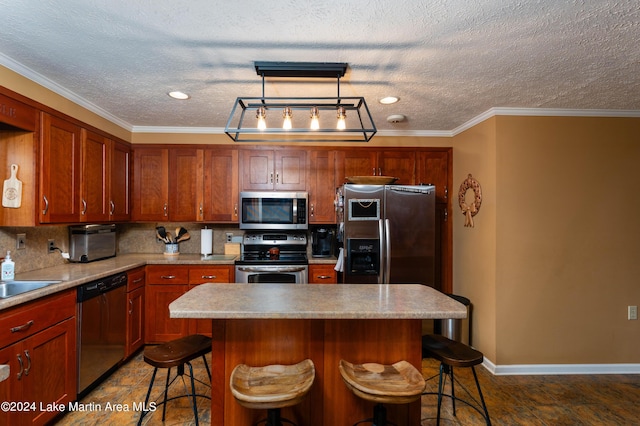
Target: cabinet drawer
{"type": "Point", "coordinates": [167, 275]}
{"type": "Point", "coordinates": [135, 279]}
{"type": "Point", "coordinates": [30, 318]}
{"type": "Point", "coordinates": [209, 275]}
{"type": "Point", "coordinates": [322, 274]}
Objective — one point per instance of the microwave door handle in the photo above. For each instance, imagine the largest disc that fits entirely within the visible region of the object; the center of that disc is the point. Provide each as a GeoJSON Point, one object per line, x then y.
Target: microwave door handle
{"type": "Point", "coordinates": [381, 250]}
{"type": "Point", "coordinates": [387, 252]}
{"type": "Point", "coordinates": [294, 219]}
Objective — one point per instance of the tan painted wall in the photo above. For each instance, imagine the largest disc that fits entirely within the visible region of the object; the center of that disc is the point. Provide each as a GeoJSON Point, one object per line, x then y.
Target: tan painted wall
{"type": "Point", "coordinates": [474, 248]}
{"type": "Point", "coordinates": [567, 240]}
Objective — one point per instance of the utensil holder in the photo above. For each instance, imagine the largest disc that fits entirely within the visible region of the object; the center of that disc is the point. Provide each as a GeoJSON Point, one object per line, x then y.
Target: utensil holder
{"type": "Point", "coordinates": [171, 249]}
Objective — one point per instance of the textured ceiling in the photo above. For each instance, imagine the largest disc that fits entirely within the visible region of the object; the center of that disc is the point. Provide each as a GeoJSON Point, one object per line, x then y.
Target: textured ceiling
{"type": "Point", "coordinates": [448, 60]}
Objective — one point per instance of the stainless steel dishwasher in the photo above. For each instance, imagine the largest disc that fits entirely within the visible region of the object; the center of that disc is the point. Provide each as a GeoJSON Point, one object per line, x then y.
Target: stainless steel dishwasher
{"type": "Point", "coordinates": [102, 314]}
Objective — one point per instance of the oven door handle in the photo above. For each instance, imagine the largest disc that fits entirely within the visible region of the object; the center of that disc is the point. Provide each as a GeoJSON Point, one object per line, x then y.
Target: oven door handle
{"type": "Point", "coordinates": [272, 268]}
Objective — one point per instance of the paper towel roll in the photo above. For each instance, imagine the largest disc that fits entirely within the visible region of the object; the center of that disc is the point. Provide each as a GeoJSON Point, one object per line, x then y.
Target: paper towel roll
{"type": "Point", "coordinates": [206, 241]}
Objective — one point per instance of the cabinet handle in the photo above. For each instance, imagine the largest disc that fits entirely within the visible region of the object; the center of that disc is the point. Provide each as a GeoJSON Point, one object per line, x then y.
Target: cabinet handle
{"type": "Point", "coordinates": [446, 215]}
{"type": "Point", "coordinates": [379, 171]}
{"type": "Point", "coordinates": [165, 208]}
{"type": "Point", "coordinates": [277, 178]}
{"type": "Point", "coordinates": [373, 171]}
{"type": "Point", "coordinates": [19, 375]}
{"type": "Point", "coordinates": [235, 210]}
{"type": "Point", "coordinates": [209, 277]}
{"type": "Point", "coordinates": [46, 205]}
{"type": "Point", "coordinates": [446, 192]}
{"type": "Point", "coordinates": [26, 354]}
{"type": "Point", "coordinates": [136, 281]}
{"type": "Point", "coordinates": [271, 178]}
{"type": "Point", "coordinates": [201, 210]}
{"type": "Point", "coordinates": [312, 210]}
{"type": "Point", "coordinates": [167, 277]}
{"type": "Point", "coordinates": [84, 207]}
{"type": "Point", "coordinates": [113, 207]}
{"type": "Point", "coordinates": [130, 306]}
{"type": "Point", "coordinates": [22, 327]}
{"type": "Point", "coordinates": [323, 277]}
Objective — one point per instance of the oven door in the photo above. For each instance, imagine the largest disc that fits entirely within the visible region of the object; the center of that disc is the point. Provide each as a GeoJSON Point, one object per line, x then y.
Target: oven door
{"type": "Point", "coordinates": [288, 274]}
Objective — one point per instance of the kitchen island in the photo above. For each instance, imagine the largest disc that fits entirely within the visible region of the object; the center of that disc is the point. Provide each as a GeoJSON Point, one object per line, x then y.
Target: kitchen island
{"type": "Point", "coordinates": [260, 324]}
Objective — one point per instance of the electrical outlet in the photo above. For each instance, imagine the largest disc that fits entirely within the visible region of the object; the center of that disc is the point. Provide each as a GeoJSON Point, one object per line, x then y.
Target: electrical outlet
{"type": "Point", "coordinates": [632, 312]}
{"type": "Point", "coordinates": [229, 236]}
{"type": "Point", "coordinates": [21, 241]}
{"type": "Point", "coordinates": [51, 246]}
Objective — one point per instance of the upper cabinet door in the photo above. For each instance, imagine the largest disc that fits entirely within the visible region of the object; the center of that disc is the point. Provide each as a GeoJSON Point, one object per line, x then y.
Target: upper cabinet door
{"type": "Point", "coordinates": [322, 188]}
{"type": "Point", "coordinates": [357, 162]}
{"type": "Point", "coordinates": [185, 184]}
{"type": "Point", "coordinates": [59, 171]}
{"type": "Point", "coordinates": [221, 185]}
{"type": "Point", "coordinates": [433, 168]}
{"type": "Point", "coordinates": [400, 164]}
{"type": "Point", "coordinates": [268, 170]}
{"type": "Point", "coordinates": [150, 201]}
{"type": "Point", "coordinates": [120, 189]}
{"type": "Point", "coordinates": [94, 185]}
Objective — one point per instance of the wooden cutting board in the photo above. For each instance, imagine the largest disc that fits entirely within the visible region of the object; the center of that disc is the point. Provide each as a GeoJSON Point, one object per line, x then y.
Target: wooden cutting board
{"type": "Point", "coordinates": [12, 190]}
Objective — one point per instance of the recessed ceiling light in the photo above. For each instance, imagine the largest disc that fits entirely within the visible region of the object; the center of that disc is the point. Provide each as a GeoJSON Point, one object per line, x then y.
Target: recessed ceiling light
{"type": "Point", "coordinates": [389, 100]}
{"type": "Point", "coordinates": [178, 95]}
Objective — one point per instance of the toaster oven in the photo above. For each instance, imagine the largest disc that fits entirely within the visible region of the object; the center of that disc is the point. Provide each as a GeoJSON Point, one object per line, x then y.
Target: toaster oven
{"type": "Point", "coordinates": [91, 242]}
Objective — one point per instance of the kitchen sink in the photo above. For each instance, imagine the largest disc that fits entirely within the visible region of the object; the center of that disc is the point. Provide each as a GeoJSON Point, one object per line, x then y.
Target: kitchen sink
{"type": "Point", "coordinates": [13, 288]}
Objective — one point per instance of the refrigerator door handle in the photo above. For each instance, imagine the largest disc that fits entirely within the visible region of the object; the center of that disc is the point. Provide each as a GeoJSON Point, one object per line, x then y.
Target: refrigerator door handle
{"type": "Point", "coordinates": [387, 239]}
{"type": "Point", "coordinates": [381, 260]}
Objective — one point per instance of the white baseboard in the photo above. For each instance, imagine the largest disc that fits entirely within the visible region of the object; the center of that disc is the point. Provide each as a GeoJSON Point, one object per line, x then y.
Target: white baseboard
{"type": "Point", "coordinates": [558, 369]}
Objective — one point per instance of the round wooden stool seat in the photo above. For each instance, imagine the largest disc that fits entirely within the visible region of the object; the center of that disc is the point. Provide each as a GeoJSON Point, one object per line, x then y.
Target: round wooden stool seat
{"type": "Point", "coordinates": [177, 352]}
{"type": "Point", "coordinates": [272, 386]}
{"type": "Point", "coordinates": [399, 383]}
{"type": "Point", "coordinates": [450, 352]}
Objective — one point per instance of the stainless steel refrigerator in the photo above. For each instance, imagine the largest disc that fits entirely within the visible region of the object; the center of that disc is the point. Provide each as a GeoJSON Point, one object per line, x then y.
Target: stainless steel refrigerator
{"type": "Point", "coordinates": [389, 234]}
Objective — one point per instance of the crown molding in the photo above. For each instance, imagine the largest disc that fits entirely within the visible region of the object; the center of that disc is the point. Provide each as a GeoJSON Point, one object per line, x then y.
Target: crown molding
{"type": "Point", "coordinates": [38, 78]}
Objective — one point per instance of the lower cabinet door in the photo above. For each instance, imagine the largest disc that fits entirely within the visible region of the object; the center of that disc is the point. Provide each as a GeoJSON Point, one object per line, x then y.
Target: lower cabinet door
{"type": "Point", "coordinates": [159, 327]}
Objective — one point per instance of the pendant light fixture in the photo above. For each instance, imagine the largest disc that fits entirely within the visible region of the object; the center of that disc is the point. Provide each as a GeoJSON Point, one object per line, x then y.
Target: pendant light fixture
{"type": "Point", "coordinates": [353, 119]}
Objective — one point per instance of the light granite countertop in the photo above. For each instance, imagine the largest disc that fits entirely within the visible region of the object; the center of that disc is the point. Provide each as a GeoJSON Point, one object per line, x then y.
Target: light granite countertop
{"type": "Point", "coordinates": [299, 301]}
{"type": "Point", "coordinates": [75, 274]}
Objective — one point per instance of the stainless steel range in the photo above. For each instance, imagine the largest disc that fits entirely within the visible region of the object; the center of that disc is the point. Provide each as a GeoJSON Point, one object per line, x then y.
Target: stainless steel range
{"type": "Point", "coordinates": [273, 257]}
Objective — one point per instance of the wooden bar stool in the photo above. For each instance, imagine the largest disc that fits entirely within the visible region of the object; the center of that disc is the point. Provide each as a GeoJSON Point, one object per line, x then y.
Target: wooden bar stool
{"type": "Point", "coordinates": [177, 353]}
{"type": "Point", "coordinates": [399, 383]}
{"type": "Point", "coordinates": [272, 387]}
{"type": "Point", "coordinates": [452, 354]}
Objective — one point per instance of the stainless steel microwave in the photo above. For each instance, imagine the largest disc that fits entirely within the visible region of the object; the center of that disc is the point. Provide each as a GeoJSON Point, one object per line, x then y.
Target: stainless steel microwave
{"type": "Point", "coordinates": [274, 210]}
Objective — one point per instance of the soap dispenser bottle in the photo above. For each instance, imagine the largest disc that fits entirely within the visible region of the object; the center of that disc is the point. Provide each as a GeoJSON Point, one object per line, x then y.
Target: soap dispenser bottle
{"type": "Point", "coordinates": [8, 268]}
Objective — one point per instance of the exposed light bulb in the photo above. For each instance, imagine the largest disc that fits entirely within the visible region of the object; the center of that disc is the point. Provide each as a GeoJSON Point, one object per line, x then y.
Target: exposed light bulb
{"type": "Point", "coordinates": [342, 115]}
{"type": "Point", "coordinates": [315, 120]}
{"type": "Point", "coordinates": [261, 116]}
{"type": "Point", "coordinates": [287, 114]}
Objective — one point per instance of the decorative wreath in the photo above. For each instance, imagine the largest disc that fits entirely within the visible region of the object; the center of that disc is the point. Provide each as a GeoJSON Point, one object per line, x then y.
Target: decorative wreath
{"type": "Point", "coordinates": [470, 210]}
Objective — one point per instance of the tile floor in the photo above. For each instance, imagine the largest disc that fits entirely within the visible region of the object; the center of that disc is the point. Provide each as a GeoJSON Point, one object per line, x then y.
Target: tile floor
{"type": "Point", "coordinates": [512, 400]}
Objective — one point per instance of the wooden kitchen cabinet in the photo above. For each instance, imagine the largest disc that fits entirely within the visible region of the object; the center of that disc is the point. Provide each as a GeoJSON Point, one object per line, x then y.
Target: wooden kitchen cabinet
{"type": "Point", "coordinates": [221, 178]}
{"type": "Point", "coordinates": [322, 274]}
{"type": "Point", "coordinates": [60, 153]}
{"type": "Point", "coordinates": [186, 184]}
{"type": "Point", "coordinates": [273, 170]}
{"type": "Point", "coordinates": [436, 167]}
{"type": "Point", "coordinates": [150, 197]}
{"type": "Point", "coordinates": [94, 182]}
{"type": "Point", "coordinates": [376, 162]}
{"type": "Point", "coordinates": [135, 311]}
{"type": "Point", "coordinates": [120, 185]}
{"type": "Point", "coordinates": [19, 145]}
{"type": "Point", "coordinates": [164, 284]}
{"type": "Point", "coordinates": [322, 186]}
{"type": "Point", "coordinates": [39, 344]}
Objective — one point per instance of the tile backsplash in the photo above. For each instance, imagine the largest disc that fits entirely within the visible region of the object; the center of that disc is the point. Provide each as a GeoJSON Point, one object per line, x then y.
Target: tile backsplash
{"type": "Point", "coordinates": [132, 238]}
